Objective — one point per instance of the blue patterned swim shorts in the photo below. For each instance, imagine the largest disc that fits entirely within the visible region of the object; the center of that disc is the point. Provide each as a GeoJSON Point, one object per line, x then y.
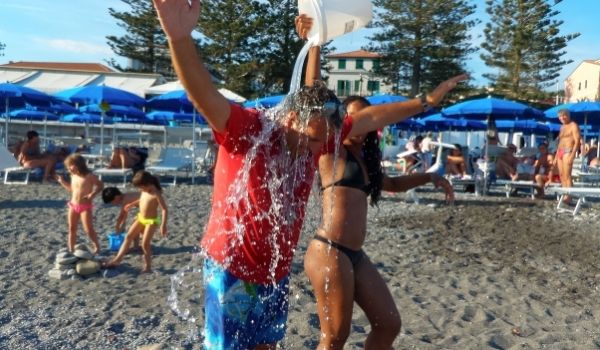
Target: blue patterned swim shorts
{"type": "Point", "coordinates": [239, 315]}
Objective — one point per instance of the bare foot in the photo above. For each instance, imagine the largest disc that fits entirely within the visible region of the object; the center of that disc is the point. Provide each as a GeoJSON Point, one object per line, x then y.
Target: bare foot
{"type": "Point", "coordinates": [97, 249]}
{"type": "Point", "coordinates": [146, 269]}
{"type": "Point", "coordinates": [109, 264]}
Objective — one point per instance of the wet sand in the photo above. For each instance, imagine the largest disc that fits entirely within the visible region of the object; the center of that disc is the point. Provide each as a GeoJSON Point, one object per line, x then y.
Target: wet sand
{"type": "Point", "coordinates": [485, 273]}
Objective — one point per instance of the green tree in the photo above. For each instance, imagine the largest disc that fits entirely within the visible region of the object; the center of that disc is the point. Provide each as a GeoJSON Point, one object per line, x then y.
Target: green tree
{"type": "Point", "coordinates": [144, 42]}
{"type": "Point", "coordinates": [279, 46]}
{"type": "Point", "coordinates": [229, 42]}
{"type": "Point", "coordinates": [422, 42]}
{"type": "Point", "coordinates": [524, 46]}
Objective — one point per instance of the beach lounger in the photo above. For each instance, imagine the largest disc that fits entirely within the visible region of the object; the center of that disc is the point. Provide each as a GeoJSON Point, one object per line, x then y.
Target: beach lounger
{"type": "Point", "coordinates": [9, 165]}
{"type": "Point", "coordinates": [580, 192]}
{"type": "Point", "coordinates": [173, 160]}
{"type": "Point", "coordinates": [124, 173]}
{"type": "Point", "coordinates": [510, 186]}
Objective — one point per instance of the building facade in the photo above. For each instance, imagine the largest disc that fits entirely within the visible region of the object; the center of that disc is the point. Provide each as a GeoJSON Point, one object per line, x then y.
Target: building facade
{"type": "Point", "coordinates": [352, 73]}
{"type": "Point", "coordinates": [583, 84]}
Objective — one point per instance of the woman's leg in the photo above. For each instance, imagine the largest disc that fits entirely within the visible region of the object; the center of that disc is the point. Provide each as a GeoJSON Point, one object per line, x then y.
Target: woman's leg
{"type": "Point", "coordinates": [332, 277]}
{"type": "Point", "coordinates": [73, 221]}
{"type": "Point", "coordinates": [115, 159]}
{"type": "Point", "coordinates": [374, 297]}
{"type": "Point", "coordinates": [87, 219]}
{"type": "Point", "coordinates": [147, 248]}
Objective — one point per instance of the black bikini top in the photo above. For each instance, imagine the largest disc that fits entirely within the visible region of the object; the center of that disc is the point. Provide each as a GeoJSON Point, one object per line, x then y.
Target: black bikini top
{"type": "Point", "coordinates": [353, 176]}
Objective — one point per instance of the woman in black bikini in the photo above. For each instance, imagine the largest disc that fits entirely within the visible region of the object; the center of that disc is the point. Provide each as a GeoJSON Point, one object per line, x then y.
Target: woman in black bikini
{"type": "Point", "coordinates": [339, 270]}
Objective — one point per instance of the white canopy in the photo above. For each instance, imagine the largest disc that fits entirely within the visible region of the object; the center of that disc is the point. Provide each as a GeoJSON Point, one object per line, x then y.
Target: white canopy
{"type": "Point", "coordinates": [176, 85]}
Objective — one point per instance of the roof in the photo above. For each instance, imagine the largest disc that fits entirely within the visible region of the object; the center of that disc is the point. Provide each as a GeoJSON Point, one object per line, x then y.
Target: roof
{"type": "Point", "coordinates": [597, 62]}
{"type": "Point", "coordinates": [52, 81]}
{"type": "Point", "coordinates": [70, 66]}
{"type": "Point", "coordinates": [355, 54]}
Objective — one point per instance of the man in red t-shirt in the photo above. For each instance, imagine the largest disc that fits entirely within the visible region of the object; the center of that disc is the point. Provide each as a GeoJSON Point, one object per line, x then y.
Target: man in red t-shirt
{"type": "Point", "coordinates": [262, 180]}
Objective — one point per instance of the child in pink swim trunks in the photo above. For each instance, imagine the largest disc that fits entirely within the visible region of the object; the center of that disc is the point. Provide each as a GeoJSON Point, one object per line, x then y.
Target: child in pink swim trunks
{"type": "Point", "coordinates": [84, 186]}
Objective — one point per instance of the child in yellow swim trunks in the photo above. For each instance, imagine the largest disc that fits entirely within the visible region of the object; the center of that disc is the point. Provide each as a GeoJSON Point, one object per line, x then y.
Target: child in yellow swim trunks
{"type": "Point", "coordinates": [147, 219]}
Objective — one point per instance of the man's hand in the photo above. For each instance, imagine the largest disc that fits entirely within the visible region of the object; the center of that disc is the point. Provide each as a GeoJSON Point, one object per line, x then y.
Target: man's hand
{"type": "Point", "coordinates": [163, 230]}
{"type": "Point", "coordinates": [440, 182]}
{"type": "Point", "coordinates": [178, 17]}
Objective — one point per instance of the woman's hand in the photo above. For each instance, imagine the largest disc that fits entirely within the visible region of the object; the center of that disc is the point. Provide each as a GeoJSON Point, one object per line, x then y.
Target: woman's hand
{"type": "Point", "coordinates": [303, 26]}
{"type": "Point", "coordinates": [437, 95]}
{"type": "Point", "coordinates": [440, 182]}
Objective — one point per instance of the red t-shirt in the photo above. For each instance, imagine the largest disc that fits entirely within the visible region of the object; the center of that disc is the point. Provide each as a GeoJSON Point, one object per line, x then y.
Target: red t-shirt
{"type": "Point", "coordinates": [250, 232]}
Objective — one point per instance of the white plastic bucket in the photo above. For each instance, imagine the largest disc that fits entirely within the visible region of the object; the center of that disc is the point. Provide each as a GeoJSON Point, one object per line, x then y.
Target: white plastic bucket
{"type": "Point", "coordinates": [333, 18]}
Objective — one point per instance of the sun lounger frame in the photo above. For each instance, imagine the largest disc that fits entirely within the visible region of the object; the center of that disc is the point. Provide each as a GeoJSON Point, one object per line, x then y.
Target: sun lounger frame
{"type": "Point", "coordinates": [580, 192]}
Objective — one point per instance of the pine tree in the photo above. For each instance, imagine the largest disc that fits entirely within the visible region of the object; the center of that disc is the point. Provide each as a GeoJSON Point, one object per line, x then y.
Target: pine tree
{"type": "Point", "coordinates": [279, 45]}
{"type": "Point", "coordinates": [229, 43]}
{"type": "Point", "coordinates": [144, 42]}
{"type": "Point", "coordinates": [422, 42]}
{"type": "Point", "coordinates": [524, 46]}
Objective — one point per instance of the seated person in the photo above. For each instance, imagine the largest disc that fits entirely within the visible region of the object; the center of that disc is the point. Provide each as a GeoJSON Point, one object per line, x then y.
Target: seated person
{"type": "Point", "coordinates": [30, 156]}
{"type": "Point", "coordinates": [548, 176]}
{"type": "Point", "coordinates": [412, 161]}
{"type": "Point", "coordinates": [455, 162]}
{"type": "Point", "coordinates": [128, 158]}
{"type": "Point", "coordinates": [506, 164]}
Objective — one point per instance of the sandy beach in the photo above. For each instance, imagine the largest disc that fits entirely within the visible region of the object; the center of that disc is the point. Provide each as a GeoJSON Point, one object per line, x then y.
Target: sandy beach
{"type": "Point", "coordinates": [486, 273]}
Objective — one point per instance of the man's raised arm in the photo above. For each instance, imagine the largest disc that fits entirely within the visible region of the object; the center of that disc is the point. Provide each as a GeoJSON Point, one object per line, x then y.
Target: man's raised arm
{"type": "Point", "coordinates": [178, 19]}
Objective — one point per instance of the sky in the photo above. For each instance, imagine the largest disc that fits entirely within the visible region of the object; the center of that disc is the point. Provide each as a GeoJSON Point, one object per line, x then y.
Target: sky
{"type": "Point", "coordinates": [76, 30]}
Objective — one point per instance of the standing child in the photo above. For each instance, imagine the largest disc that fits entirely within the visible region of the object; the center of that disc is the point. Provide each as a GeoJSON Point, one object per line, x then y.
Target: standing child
{"type": "Point", "coordinates": [112, 195]}
{"type": "Point", "coordinates": [147, 219]}
{"type": "Point", "coordinates": [84, 186]}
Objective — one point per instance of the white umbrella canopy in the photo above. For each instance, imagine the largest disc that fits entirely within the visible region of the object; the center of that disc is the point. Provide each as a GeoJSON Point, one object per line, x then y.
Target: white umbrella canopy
{"type": "Point", "coordinates": [232, 96]}
{"type": "Point", "coordinates": [176, 85]}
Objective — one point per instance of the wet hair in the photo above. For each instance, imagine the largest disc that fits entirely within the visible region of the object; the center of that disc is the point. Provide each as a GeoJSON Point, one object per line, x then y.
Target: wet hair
{"type": "Point", "coordinates": [79, 162]}
{"type": "Point", "coordinates": [144, 178]}
{"type": "Point", "coordinates": [564, 112]}
{"type": "Point", "coordinates": [31, 134]}
{"type": "Point", "coordinates": [316, 98]}
{"type": "Point", "coordinates": [371, 154]}
{"type": "Point", "coordinates": [109, 194]}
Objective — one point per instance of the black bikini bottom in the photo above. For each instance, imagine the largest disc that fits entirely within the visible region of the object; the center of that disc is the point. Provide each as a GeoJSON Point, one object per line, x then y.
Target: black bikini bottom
{"type": "Point", "coordinates": [355, 256]}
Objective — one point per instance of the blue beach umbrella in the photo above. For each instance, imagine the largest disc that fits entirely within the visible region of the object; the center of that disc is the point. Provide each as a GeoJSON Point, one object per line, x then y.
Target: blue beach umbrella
{"type": "Point", "coordinates": [528, 126]}
{"type": "Point", "coordinates": [100, 93]}
{"type": "Point", "coordinates": [438, 122]}
{"type": "Point", "coordinates": [582, 112]}
{"type": "Point", "coordinates": [480, 109]}
{"type": "Point", "coordinates": [409, 124]}
{"type": "Point", "coordinates": [60, 108]}
{"type": "Point", "coordinates": [585, 112]}
{"type": "Point", "coordinates": [168, 116]}
{"type": "Point", "coordinates": [83, 118]}
{"type": "Point", "coordinates": [383, 99]}
{"type": "Point", "coordinates": [17, 96]}
{"type": "Point", "coordinates": [28, 114]}
{"type": "Point", "coordinates": [115, 111]}
{"type": "Point", "coordinates": [175, 101]}
{"type": "Point", "coordinates": [265, 102]}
